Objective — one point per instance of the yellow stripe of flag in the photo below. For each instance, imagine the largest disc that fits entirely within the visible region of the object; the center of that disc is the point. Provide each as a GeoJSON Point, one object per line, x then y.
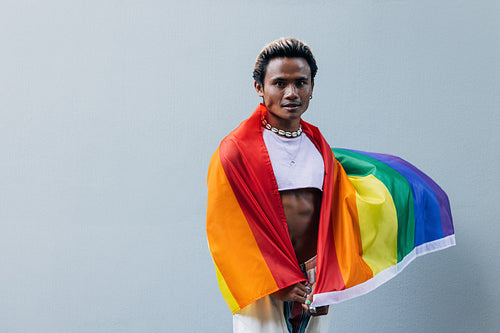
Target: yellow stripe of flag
{"type": "Point", "coordinates": [378, 222]}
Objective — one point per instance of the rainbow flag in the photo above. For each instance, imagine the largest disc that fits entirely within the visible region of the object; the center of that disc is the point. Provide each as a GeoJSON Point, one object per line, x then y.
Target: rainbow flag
{"type": "Point", "coordinates": [378, 213]}
{"type": "Point", "coordinates": [402, 214]}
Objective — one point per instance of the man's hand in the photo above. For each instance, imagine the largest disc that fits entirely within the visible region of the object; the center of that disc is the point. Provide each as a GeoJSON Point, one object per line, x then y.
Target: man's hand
{"type": "Point", "coordinates": [300, 292]}
{"type": "Point", "coordinates": [294, 293]}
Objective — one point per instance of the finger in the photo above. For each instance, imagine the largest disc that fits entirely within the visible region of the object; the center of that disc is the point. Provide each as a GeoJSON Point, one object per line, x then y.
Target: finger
{"type": "Point", "coordinates": [300, 297]}
{"type": "Point", "coordinates": [308, 289]}
{"type": "Point", "coordinates": [317, 312]}
{"type": "Point", "coordinates": [312, 286]}
{"type": "Point", "coordinates": [301, 286]}
{"type": "Point", "coordinates": [307, 302]}
{"type": "Point", "coordinates": [300, 290]}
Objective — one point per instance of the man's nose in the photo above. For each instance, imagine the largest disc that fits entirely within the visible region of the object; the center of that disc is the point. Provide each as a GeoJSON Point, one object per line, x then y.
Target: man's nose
{"type": "Point", "coordinates": [290, 91]}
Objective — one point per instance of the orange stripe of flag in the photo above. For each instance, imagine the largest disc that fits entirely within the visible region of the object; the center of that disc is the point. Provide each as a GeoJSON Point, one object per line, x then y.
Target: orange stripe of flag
{"type": "Point", "coordinates": [232, 244]}
{"type": "Point", "coordinates": [346, 232]}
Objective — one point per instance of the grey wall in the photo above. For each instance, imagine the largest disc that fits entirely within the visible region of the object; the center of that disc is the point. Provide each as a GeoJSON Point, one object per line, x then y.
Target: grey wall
{"type": "Point", "coordinates": [110, 111]}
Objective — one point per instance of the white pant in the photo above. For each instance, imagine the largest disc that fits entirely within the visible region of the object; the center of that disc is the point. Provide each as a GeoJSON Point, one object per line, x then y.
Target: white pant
{"type": "Point", "coordinates": [266, 316]}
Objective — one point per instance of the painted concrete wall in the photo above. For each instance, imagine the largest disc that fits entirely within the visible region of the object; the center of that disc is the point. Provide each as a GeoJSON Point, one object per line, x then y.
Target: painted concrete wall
{"type": "Point", "coordinates": [110, 111]}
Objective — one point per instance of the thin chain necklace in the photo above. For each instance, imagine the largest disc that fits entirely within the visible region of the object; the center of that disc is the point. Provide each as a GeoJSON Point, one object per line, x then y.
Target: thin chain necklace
{"type": "Point", "coordinates": [281, 132]}
{"type": "Point", "coordinates": [293, 155]}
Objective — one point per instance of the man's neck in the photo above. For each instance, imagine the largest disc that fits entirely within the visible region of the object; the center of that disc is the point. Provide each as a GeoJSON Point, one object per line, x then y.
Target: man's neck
{"type": "Point", "coordinates": [288, 125]}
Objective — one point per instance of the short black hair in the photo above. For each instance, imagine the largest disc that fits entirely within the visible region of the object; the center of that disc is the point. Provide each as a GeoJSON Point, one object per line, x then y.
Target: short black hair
{"type": "Point", "coordinates": [283, 48]}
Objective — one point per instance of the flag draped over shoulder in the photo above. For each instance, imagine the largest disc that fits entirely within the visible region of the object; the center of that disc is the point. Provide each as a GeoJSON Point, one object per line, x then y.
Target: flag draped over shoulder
{"type": "Point", "coordinates": [378, 213]}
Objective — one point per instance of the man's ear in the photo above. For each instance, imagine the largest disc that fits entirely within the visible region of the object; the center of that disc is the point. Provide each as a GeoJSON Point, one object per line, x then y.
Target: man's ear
{"type": "Point", "coordinates": [259, 88]}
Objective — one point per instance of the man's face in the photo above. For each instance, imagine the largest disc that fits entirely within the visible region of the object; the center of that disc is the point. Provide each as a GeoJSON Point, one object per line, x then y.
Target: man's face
{"type": "Point", "coordinates": [286, 91]}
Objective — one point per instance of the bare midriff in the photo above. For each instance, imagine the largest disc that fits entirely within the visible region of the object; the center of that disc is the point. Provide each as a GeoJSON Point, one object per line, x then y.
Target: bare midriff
{"type": "Point", "coordinates": [302, 207]}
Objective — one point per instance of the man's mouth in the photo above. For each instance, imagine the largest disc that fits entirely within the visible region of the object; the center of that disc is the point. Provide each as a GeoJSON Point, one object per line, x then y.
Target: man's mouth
{"type": "Point", "coordinates": [291, 106]}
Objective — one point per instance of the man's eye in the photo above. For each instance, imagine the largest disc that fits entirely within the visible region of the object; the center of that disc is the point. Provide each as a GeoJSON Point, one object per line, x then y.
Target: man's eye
{"type": "Point", "coordinates": [280, 84]}
{"type": "Point", "coordinates": [300, 83]}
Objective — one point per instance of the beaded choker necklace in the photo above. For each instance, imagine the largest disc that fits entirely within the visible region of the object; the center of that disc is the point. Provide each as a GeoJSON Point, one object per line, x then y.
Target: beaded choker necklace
{"type": "Point", "coordinates": [281, 132]}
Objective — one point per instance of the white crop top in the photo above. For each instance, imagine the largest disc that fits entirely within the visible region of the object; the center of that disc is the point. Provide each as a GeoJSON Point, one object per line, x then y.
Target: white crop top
{"type": "Point", "coordinates": [296, 162]}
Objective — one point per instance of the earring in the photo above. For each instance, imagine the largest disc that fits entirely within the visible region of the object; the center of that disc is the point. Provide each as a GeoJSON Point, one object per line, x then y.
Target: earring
{"type": "Point", "coordinates": [311, 97]}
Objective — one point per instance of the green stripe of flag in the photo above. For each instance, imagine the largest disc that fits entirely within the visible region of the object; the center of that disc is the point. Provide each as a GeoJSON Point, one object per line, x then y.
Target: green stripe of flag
{"type": "Point", "coordinates": [357, 164]}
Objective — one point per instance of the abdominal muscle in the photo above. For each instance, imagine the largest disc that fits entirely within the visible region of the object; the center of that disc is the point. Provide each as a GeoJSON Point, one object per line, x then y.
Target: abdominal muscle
{"type": "Point", "coordinates": [302, 207]}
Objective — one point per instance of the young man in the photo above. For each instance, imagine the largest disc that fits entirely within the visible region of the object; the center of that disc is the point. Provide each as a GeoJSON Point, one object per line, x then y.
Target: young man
{"type": "Point", "coordinates": [287, 220]}
{"type": "Point", "coordinates": [284, 78]}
